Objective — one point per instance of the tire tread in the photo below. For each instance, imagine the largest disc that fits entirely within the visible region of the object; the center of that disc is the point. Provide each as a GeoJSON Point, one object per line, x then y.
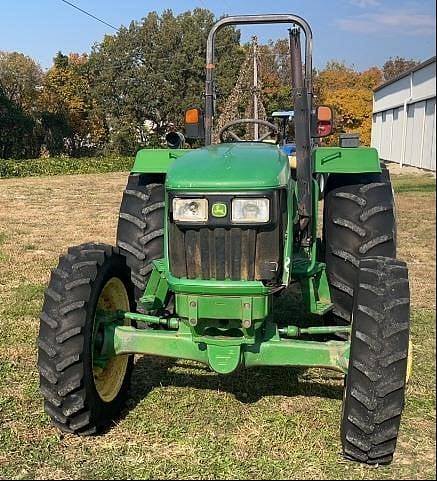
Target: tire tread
{"type": "Point", "coordinates": [141, 227]}
{"type": "Point", "coordinates": [61, 337]}
{"type": "Point", "coordinates": [359, 221]}
{"type": "Point", "coordinates": [375, 383]}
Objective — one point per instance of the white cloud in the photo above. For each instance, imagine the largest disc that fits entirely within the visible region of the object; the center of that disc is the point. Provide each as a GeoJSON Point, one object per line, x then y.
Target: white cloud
{"type": "Point", "coordinates": [365, 3]}
{"type": "Point", "coordinates": [401, 21]}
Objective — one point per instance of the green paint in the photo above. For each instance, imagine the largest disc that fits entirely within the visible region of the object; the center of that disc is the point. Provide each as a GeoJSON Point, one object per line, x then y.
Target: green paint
{"type": "Point", "coordinates": [155, 295]}
{"type": "Point", "coordinates": [315, 290]}
{"type": "Point", "coordinates": [236, 167]}
{"type": "Point", "coordinates": [169, 322]}
{"type": "Point", "coordinates": [308, 271]}
{"type": "Point", "coordinates": [156, 161]}
{"type": "Point", "coordinates": [214, 287]}
{"type": "Point", "coordinates": [225, 324]}
{"type": "Point", "coordinates": [288, 352]}
{"type": "Point", "coordinates": [221, 330]}
{"type": "Point", "coordinates": [222, 307]}
{"type": "Point", "coordinates": [296, 331]}
{"type": "Point", "coordinates": [288, 235]}
{"type": "Point", "coordinates": [103, 334]}
{"type": "Point", "coordinates": [346, 160]}
{"type": "Point", "coordinates": [219, 209]}
{"type": "Point", "coordinates": [224, 359]}
{"type": "Point", "coordinates": [246, 166]}
{"type": "Point", "coordinates": [174, 344]}
{"type": "Point", "coordinates": [224, 356]}
{"type": "Point", "coordinates": [304, 261]}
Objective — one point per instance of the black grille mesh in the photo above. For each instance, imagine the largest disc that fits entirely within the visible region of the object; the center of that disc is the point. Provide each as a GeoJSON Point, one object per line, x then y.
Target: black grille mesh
{"type": "Point", "coordinates": [225, 253]}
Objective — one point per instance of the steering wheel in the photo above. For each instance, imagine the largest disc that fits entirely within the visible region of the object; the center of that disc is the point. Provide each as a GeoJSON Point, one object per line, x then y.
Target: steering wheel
{"type": "Point", "coordinates": [226, 130]}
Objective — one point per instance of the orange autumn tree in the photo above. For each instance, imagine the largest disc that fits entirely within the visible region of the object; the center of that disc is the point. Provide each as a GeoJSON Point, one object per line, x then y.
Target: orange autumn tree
{"type": "Point", "coordinates": [350, 93]}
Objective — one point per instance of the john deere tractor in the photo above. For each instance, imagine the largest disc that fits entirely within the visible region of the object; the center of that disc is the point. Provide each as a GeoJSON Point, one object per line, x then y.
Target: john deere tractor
{"type": "Point", "coordinates": [211, 239]}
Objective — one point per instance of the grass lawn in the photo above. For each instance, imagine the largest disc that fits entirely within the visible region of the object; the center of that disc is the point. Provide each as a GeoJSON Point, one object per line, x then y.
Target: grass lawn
{"type": "Point", "coordinates": [183, 421]}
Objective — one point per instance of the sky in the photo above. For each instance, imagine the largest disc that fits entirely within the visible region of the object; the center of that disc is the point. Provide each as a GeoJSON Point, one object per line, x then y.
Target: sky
{"type": "Point", "coordinates": [363, 33]}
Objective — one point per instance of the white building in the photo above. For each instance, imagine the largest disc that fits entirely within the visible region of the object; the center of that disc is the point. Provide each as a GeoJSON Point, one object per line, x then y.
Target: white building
{"type": "Point", "coordinates": [404, 123]}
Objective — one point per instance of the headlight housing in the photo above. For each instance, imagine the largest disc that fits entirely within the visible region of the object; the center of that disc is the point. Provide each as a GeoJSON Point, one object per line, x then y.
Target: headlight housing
{"type": "Point", "coordinates": [250, 210]}
{"type": "Point", "coordinates": [190, 210]}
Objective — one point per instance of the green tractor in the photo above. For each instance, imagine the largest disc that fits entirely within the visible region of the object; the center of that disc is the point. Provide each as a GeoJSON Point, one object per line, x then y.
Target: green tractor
{"type": "Point", "coordinates": [209, 240]}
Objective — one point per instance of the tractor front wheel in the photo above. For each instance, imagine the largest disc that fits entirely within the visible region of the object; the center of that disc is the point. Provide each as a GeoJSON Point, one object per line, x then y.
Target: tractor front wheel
{"type": "Point", "coordinates": [83, 392]}
{"type": "Point", "coordinates": [375, 383]}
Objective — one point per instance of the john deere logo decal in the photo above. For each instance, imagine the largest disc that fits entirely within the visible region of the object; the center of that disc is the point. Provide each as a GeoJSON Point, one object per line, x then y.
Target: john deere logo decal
{"type": "Point", "coordinates": [219, 210]}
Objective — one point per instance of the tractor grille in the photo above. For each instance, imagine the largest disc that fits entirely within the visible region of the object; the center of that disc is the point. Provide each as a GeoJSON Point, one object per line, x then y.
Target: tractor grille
{"type": "Point", "coordinates": [228, 252]}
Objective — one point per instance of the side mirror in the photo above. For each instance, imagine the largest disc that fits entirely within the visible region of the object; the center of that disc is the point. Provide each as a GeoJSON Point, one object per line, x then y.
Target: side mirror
{"type": "Point", "coordinates": [323, 122]}
{"type": "Point", "coordinates": [194, 124]}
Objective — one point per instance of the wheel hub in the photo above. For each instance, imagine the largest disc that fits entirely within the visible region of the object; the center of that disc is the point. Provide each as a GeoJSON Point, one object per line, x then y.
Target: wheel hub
{"type": "Point", "coordinates": [109, 370]}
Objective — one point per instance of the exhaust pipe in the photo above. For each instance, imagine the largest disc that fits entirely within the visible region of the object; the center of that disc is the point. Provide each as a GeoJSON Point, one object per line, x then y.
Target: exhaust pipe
{"type": "Point", "coordinates": [302, 112]}
{"type": "Point", "coordinates": [175, 140]}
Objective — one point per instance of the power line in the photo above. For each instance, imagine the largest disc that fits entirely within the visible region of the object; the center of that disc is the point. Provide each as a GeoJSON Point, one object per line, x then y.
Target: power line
{"type": "Point", "coordinates": [90, 14]}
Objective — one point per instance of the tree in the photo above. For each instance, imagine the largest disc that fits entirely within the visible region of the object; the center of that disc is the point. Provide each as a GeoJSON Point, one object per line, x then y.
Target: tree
{"type": "Point", "coordinates": [396, 66]}
{"type": "Point", "coordinates": [153, 70]}
{"type": "Point", "coordinates": [20, 78]}
{"type": "Point", "coordinates": [66, 106]}
{"type": "Point", "coordinates": [336, 75]}
{"type": "Point", "coordinates": [275, 72]}
{"type": "Point", "coordinates": [350, 94]}
{"type": "Point", "coordinates": [16, 130]}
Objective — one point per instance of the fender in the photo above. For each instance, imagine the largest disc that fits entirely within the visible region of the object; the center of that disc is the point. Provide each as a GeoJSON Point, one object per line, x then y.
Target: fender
{"type": "Point", "coordinates": [156, 161]}
{"type": "Point", "coordinates": [338, 160]}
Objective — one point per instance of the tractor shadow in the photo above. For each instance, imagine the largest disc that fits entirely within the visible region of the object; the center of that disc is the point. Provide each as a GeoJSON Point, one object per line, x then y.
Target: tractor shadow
{"type": "Point", "coordinates": [247, 385]}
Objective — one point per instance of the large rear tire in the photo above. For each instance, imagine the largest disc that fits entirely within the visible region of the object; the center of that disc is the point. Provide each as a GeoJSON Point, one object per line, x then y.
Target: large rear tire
{"type": "Point", "coordinates": [140, 233]}
{"type": "Point", "coordinates": [376, 379]}
{"type": "Point", "coordinates": [358, 221]}
{"type": "Point", "coordinates": [79, 395]}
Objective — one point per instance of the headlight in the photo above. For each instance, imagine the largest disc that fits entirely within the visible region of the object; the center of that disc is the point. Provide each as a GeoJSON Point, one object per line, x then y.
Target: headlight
{"type": "Point", "coordinates": [250, 210]}
{"type": "Point", "coordinates": [190, 210]}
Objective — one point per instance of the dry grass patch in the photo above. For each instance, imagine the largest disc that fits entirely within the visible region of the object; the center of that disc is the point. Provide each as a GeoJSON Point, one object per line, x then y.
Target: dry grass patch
{"type": "Point", "coordinates": [183, 421]}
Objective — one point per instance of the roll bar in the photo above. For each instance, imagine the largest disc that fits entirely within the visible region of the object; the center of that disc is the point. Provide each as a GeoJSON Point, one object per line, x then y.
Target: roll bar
{"type": "Point", "coordinates": [248, 20]}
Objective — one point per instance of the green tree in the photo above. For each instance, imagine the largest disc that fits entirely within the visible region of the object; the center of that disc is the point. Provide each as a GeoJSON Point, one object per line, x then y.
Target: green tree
{"type": "Point", "coordinates": [145, 76]}
{"type": "Point", "coordinates": [16, 130]}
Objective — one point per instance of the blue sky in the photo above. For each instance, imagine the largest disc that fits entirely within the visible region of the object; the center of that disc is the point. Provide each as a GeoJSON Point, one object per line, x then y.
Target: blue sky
{"type": "Point", "coordinates": [361, 32]}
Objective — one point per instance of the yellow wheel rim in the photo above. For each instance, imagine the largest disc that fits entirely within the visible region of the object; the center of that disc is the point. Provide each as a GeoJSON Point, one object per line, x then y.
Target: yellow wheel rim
{"type": "Point", "coordinates": [409, 361]}
{"type": "Point", "coordinates": [108, 380]}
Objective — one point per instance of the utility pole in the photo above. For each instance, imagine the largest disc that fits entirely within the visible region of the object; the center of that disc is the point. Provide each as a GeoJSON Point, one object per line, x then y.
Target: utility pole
{"type": "Point", "coordinates": [255, 85]}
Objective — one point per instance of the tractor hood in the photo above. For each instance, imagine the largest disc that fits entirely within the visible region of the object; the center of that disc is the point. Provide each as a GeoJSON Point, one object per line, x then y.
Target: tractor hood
{"type": "Point", "coordinates": [230, 167]}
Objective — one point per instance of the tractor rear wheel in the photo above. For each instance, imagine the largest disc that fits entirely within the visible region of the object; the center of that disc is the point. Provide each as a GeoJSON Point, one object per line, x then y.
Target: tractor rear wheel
{"type": "Point", "coordinates": [358, 221]}
{"type": "Point", "coordinates": [375, 384]}
{"type": "Point", "coordinates": [140, 233]}
{"type": "Point", "coordinates": [83, 393]}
